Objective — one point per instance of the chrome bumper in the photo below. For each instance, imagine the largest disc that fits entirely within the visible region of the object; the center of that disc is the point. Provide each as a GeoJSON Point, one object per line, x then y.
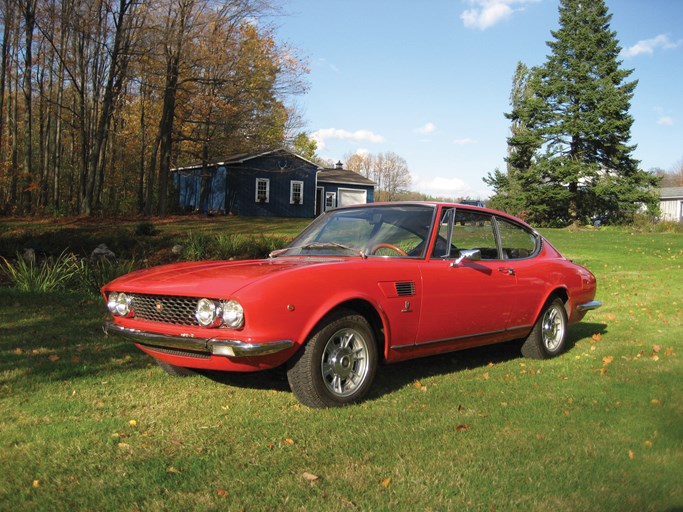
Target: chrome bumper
{"type": "Point", "coordinates": [229, 348]}
{"type": "Point", "coordinates": [594, 304]}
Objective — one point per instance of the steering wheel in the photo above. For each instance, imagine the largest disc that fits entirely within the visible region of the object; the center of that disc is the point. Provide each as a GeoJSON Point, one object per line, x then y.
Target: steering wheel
{"type": "Point", "coordinates": [388, 246]}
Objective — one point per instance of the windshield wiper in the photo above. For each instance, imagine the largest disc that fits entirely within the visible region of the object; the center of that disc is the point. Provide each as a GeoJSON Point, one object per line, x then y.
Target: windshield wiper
{"type": "Point", "coordinates": [319, 245]}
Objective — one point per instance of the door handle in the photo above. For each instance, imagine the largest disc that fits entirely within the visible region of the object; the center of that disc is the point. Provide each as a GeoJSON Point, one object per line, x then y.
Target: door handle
{"type": "Point", "coordinates": [507, 270]}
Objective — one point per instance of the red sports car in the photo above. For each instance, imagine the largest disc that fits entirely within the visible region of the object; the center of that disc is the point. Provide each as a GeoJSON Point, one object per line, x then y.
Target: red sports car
{"type": "Point", "coordinates": [360, 285]}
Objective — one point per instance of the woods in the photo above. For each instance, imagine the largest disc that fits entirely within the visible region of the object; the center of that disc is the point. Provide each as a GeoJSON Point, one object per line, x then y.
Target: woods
{"type": "Point", "coordinates": [100, 99]}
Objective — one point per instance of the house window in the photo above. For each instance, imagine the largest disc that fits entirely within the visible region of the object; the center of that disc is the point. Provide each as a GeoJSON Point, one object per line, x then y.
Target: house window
{"type": "Point", "coordinates": [296, 192]}
{"type": "Point", "coordinates": [262, 190]}
{"type": "Point", "coordinates": [330, 200]}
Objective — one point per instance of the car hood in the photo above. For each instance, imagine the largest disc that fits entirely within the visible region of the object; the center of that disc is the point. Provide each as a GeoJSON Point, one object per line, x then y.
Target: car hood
{"type": "Point", "coordinates": [210, 278]}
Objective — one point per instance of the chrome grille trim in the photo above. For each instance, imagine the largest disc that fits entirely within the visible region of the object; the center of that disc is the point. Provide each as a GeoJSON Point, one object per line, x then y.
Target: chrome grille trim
{"type": "Point", "coordinates": [165, 309]}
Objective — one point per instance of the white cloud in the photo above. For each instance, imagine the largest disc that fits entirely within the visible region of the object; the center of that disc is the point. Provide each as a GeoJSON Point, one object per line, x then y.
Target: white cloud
{"type": "Point", "coordinates": [665, 121]}
{"type": "Point", "coordinates": [321, 136]}
{"type": "Point", "coordinates": [486, 13]}
{"type": "Point", "coordinates": [648, 46]}
{"type": "Point", "coordinates": [464, 142]}
{"type": "Point", "coordinates": [426, 129]}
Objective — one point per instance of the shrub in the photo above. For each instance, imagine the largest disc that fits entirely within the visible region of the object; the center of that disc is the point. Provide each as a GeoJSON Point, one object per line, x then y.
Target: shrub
{"type": "Point", "coordinates": [91, 276]}
{"type": "Point", "coordinates": [50, 275]}
{"type": "Point", "coordinates": [145, 229]}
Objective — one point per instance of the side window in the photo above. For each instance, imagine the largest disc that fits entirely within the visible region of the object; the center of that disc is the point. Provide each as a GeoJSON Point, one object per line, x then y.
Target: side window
{"type": "Point", "coordinates": [262, 190]}
{"type": "Point", "coordinates": [330, 200]}
{"type": "Point", "coordinates": [296, 192]}
{"type": "Point", "coordinates": [474, 230]}
{"type": "Point", "coordinates": [517, 242]}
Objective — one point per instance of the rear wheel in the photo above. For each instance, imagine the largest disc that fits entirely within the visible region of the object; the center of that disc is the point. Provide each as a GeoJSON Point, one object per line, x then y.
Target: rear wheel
{"type": "Point", "coordinates": [176, 371]}
{"type": "Point", "coordinates": [548, 337]}
{"type": "Point", "coordinates": [337, 364]}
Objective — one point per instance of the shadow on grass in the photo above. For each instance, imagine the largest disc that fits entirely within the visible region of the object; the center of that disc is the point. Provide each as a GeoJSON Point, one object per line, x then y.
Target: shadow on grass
{"type": "Point", "coordinates": [48, 337]}
{"type": "Point", "coordinates": [55, 337]}
{"type": "Point", "coordinates": [391, 378]}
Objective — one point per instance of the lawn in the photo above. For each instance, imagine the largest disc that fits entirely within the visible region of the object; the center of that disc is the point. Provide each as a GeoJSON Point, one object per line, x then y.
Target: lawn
{"type": "Point", "coordinates": [90, 423]}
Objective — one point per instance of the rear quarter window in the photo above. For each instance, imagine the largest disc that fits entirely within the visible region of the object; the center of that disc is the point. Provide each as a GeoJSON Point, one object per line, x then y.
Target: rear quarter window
{"type": "Point", "coordinates": [517, 242]}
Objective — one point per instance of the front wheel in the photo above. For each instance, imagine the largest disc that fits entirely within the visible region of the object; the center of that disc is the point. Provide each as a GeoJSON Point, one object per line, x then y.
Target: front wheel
{"type": "Point", "coordinates": [337, 364]}
{"type": "Point", "coordinates": [549, 334]}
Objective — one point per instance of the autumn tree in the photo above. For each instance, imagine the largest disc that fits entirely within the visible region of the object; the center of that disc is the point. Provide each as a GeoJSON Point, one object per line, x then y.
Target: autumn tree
{"type": "Point", "coordinates": [388, 170]}
{"type": "Point", "coordinates": [569, 152]}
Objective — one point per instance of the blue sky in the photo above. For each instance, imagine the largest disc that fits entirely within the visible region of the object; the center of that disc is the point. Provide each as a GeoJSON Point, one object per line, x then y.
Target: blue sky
{"type": "Point", "coordinates": [430, 80]}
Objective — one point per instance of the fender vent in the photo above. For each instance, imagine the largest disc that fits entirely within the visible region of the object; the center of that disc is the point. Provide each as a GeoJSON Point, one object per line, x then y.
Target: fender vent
{"type": "Point", "coordinates": [405, 289]}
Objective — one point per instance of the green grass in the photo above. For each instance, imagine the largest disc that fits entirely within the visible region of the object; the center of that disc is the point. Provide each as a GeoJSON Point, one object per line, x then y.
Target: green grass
{"type": "Point", "coordinates": [599, 428]}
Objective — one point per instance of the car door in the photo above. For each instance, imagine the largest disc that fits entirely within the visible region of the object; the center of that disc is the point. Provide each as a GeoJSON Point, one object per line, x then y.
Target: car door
{"type": "Point", "coordinates": [520, 248]}
{"type": "Point", "coordinates": [469, 299]}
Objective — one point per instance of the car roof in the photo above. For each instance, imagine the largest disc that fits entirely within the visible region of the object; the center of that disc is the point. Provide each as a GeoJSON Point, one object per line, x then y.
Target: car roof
{"type": "Point", "coordinates": [444, 204]}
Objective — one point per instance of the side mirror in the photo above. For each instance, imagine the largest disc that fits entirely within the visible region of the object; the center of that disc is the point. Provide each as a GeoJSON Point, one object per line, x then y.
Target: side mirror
{"type": "Point", "coordinates": [469, 255]}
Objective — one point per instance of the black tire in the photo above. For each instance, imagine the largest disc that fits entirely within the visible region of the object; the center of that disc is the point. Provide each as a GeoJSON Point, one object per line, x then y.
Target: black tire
{"type": "Point", "coordinates": [548, 337]}
{"type": "Point", "coordinates": [337, 364]}
{"type": "Point", "coordinates": [176, 371]}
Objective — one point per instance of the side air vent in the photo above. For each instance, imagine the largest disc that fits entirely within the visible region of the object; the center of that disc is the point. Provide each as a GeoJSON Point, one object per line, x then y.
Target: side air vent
{"type": "Point", "coordinates": [405, 289]}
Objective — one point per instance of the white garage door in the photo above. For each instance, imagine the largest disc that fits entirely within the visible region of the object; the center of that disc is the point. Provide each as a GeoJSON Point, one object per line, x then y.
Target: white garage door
{"type": "Point", "coordinates": [349, 196]}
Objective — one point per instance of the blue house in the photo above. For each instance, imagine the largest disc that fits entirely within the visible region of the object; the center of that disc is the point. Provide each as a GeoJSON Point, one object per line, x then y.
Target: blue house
{"type": "Point", "coordinates": [276, 183]}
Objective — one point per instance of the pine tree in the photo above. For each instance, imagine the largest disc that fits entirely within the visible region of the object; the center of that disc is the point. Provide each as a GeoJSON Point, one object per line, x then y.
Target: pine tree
{"type": "Point", "coordinates": [569, 149]}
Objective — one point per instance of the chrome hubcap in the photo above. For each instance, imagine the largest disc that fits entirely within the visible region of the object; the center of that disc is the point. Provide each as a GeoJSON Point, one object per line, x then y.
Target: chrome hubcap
{"type": "Point", "coordinates": [345, 362]}
{"type": "Point", "coordinates": [553, 329]}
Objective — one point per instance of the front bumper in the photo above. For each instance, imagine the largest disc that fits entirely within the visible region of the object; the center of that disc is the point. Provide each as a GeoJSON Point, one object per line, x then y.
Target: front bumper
{"type": "Point", "coordinates": [228, 348]}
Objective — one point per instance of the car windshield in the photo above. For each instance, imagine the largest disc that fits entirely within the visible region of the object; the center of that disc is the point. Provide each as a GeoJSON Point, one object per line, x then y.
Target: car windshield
{"type": "Point", "coordinates": [383, 230]}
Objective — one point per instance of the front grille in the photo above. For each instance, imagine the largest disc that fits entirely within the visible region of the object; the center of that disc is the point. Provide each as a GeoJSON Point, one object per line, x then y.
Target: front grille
{"type": "Point", "coordinates": [165, 309]}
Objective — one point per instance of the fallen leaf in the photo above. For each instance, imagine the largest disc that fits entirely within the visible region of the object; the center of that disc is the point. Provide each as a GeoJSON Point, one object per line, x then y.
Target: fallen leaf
{"type": "Point", "coordinates": [654, 357]}
{"type": "Point", "coordinates": [221, 492]}
{"type": "Point", "coordinates": [486, 376]}
{"type": "Point", "coordinates": [75, 360]}
{"type": "Point", "coordinates": [648, 443]}
{"type": "Point", "coordinates": [656, 348]}
{"type": "Point", "coordinates": [631, 454]}
{"type": "Point", "coordinates": [655, 401]}
{"type": "Point", "coordinates": [35, 484]}
{"type": "Point", "coordinates": [124, 446]}
{"type": "Point", "coordinates": [133, 423]}
{"type": "Point", "coordinates": [669, 351]}
{"type": "Point", "coordinates": [418, 384]}
{"type": "Point", "coordinates": [172, 470]}
{"type": "Point", "coordinates": [386, 482]}
{"type": "Point", "coordinates": [462, 427]}
{"type": "Point", "coordinates": [53, 357]}
{"type": "Point", "coordinates": [18, 351]}
{"type": "Point", "coordinates": [310, 477]}
{"type": "Point", "coordinates": [289, 440]}
{"type": "Point", "coordinates": [597, 336]}
{"type": "Point", "coordinates": [607, 360]}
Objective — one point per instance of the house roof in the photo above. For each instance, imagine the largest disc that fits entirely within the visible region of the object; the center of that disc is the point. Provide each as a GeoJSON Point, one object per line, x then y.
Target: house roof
{"type": "Point", "coordinates": [671, 193]}
{"type": "Point", "coordinates": [344, 177]}
{"type": "Point", "coordinates": [240, 158]}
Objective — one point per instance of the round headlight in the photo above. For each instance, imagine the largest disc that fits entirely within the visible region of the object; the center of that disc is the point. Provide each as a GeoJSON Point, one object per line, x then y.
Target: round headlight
{"type": "Point", "coordinates": [111, 303]}
{"type": "Point", "coordinates": [120, 304]}
{"type": "Point", "coordinates": [209, 313]}
{"type": "Point", "coordinates": [233, 314]}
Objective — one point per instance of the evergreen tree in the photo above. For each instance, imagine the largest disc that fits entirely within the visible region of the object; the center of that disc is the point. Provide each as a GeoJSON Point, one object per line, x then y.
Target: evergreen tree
{"type": "Point", "coordinates": [569, 156]}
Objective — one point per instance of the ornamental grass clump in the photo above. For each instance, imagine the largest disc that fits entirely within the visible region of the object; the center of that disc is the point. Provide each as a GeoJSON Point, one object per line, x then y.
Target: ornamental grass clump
{"type": "Point", "coordinates": [50, 275]}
